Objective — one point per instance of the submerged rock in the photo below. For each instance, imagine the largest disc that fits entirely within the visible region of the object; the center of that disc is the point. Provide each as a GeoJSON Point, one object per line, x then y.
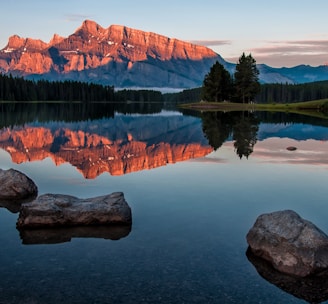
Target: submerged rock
{"type": "Point", "coordinates": [15, 185]}
{"type": "Point", "coordinates": [52, 210]}
{"type": "Point", "coordinates": [291, 244]}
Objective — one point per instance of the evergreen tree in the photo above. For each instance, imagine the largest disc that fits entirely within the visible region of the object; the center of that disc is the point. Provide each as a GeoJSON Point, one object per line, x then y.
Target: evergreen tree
{"type": "Point", "coordinates": [246, 79]}
{"type": "Point", "coordinates": [217, 84]}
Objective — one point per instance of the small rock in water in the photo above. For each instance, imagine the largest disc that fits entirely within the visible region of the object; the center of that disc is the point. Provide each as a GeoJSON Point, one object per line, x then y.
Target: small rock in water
{"type": "Point", "coordinates": [291, 148]}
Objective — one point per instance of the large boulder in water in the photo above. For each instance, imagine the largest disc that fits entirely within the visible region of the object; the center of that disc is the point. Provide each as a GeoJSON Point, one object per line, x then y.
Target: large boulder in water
{"type": "Point", "coordinates": [15, 187]}
{"type": "Point", "coordinates": [291, 244]}
{"type": "Point", "coordinates": [52, 210]}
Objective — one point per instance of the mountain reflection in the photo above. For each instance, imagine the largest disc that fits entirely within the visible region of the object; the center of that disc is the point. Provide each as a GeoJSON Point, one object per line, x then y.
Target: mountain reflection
{"type": "Point", "coordinates": [119, 145]}
{"type": "Point", "coordinates": [96, 138]}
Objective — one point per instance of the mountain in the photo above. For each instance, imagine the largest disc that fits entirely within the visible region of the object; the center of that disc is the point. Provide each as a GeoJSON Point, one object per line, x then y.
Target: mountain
{"type": "Point", "coordinates": [117, 55]}
{"type": "Point", "coordinates": [126, 57]}
{"type": "Point", "coordinates": [297, 74]}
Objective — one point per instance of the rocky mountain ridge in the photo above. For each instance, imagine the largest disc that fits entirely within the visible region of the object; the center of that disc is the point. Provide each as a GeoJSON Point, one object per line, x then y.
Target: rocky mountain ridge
{"type": "Point", "coordinates": [126, 57]}
{"type": "Point", "coordinates": [116, 55]}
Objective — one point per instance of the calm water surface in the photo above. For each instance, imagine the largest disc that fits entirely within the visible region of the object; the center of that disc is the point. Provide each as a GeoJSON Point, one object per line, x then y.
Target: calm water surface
{"type": "Point", "coordinates": [192, 204]}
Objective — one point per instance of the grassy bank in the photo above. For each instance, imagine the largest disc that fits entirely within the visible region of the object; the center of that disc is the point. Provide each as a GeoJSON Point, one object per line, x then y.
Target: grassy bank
{"type": "Point", "coordinates": [307, 107]}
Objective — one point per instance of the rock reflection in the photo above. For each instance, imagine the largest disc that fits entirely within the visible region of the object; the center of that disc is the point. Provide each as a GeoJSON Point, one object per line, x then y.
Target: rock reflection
{"type": "Point", "coordinates": [14, 205]}
{"type": "Point", "coordinates": [313, 289]}
{"type": "Point", "coordinates": [62, 235]}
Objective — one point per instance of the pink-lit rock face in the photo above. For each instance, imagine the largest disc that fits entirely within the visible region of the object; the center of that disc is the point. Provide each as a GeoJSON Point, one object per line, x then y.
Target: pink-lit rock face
{"type": "Point", "coordinates": [93, 154]}
{"type": "Point", "coordinates": [114, 53]}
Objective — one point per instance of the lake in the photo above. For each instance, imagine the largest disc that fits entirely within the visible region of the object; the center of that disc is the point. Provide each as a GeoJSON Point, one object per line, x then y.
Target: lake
{"type": "Point", "coordinates": [196, 182]}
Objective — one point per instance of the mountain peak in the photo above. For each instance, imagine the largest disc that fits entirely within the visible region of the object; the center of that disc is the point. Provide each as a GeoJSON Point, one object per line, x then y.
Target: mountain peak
{"type": "Point", "coordinates": [16, 42]}
{"type": "Point", "coordinates": [56, 39]}
{"type": "Point", "coordinates": [91, 27]}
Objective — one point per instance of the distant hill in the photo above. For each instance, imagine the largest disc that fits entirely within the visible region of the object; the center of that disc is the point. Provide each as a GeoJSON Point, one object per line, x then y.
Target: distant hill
{"type": "Point", "coordinates": [126, 57]}
{"type": "Point", "coordinates": [297, 74]}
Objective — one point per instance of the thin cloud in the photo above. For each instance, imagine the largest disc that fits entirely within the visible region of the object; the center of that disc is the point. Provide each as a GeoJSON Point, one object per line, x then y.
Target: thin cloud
{"type": "Point", "coordinates": [77, 17]}
{"type": "Point", "coordinates": [211, 42]}
{"type": "Point", "coordinates": [292, 47]}
{"type": "Point", "coordinates": [293, 52]}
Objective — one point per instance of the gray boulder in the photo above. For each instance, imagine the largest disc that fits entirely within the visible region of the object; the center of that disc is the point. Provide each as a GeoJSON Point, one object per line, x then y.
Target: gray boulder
{"type": "Point", "coordinates": [15, 185]}
{"type": "Point", "coordinates": [291, 244]}
{"type": "Point", "coordinates": [52, 210]}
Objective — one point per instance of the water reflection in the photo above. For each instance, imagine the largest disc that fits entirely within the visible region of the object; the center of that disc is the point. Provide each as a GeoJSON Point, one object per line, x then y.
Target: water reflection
{"type": "Point", "coordinates": [96, 138]}
{"type": "Point", "coordinates": [118, 145]}
{"type": "Point", "coordinates": [12, 114]}
{"type": "Point", "coordinates": [62, 235]}
{"type": "Point", "coordinates": [14, 205]}
{"type": "Point", "coordinates": [242, 126]}
{"type": "Point", "coordinates": [311, 289]}
{"type": "Point", "coordinates": [167, 252]}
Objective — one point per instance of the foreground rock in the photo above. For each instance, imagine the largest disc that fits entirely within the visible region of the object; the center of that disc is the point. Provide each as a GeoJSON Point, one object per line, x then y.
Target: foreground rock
{"type": "Point", "coordinates": [52, 210]}
{"type": "Point", "coordinates": [291, 244]}
{"type": "Point", "coordinates": [15, 185]}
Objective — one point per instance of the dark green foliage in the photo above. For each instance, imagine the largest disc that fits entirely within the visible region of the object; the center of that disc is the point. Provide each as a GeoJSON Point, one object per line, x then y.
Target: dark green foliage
{"type": "Point", "coordinates": [138, 95]}
{"type": "Point", "coordinates": [185, 96]}
{"type": "Point", "coordinates": [217, 84]}
{"type": "Point", "coordinates": [246, 79]}
{"type": "Point", "coordinates": [20, 89]}
{"type": "Point", "coordinates": [289, 93]}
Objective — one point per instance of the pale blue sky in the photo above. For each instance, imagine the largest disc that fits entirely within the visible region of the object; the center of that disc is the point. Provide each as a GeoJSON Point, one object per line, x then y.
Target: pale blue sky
{"type": "Point", "coordinates": [278, 33]}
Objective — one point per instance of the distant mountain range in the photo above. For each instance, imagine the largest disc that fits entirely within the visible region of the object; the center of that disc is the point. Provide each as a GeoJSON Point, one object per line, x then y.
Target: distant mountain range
{"type": "Point", "coordinates": [126, 57]}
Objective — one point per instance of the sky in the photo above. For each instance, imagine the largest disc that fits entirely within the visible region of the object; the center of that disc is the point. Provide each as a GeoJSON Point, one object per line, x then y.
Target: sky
{"type": "Point", "coordinates": [278, 33]}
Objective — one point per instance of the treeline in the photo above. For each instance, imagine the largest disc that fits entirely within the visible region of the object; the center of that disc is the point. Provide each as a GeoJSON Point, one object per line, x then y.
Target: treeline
{"type": "Point", "coordinates": [20, 89]}
{"type": "Point", "coordinates": [269, 93]}
{"type": "Point", "coordinates": [289, 93]}
{"type": "Point", "coordinates": [138, 95]}
{"type": "Point", "coordinates": [185, 96]}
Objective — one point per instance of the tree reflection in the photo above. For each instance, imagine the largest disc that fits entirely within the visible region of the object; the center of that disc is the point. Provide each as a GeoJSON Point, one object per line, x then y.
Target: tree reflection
{"type": "Point", "coordinates": [245, 131]}
{"type": "Point", "coordinates": [12, 114]}
{"type": "Point", "coordinates": [217, 127]}
{"type": "Point", "coordinates": [241, 126]}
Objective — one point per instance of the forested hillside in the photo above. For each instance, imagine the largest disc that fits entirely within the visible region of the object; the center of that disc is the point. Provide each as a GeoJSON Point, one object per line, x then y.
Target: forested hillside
{"type": "Point", "coordinates": [289, 93]}
{"type": "Point", "coordinates": [20, 89]}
